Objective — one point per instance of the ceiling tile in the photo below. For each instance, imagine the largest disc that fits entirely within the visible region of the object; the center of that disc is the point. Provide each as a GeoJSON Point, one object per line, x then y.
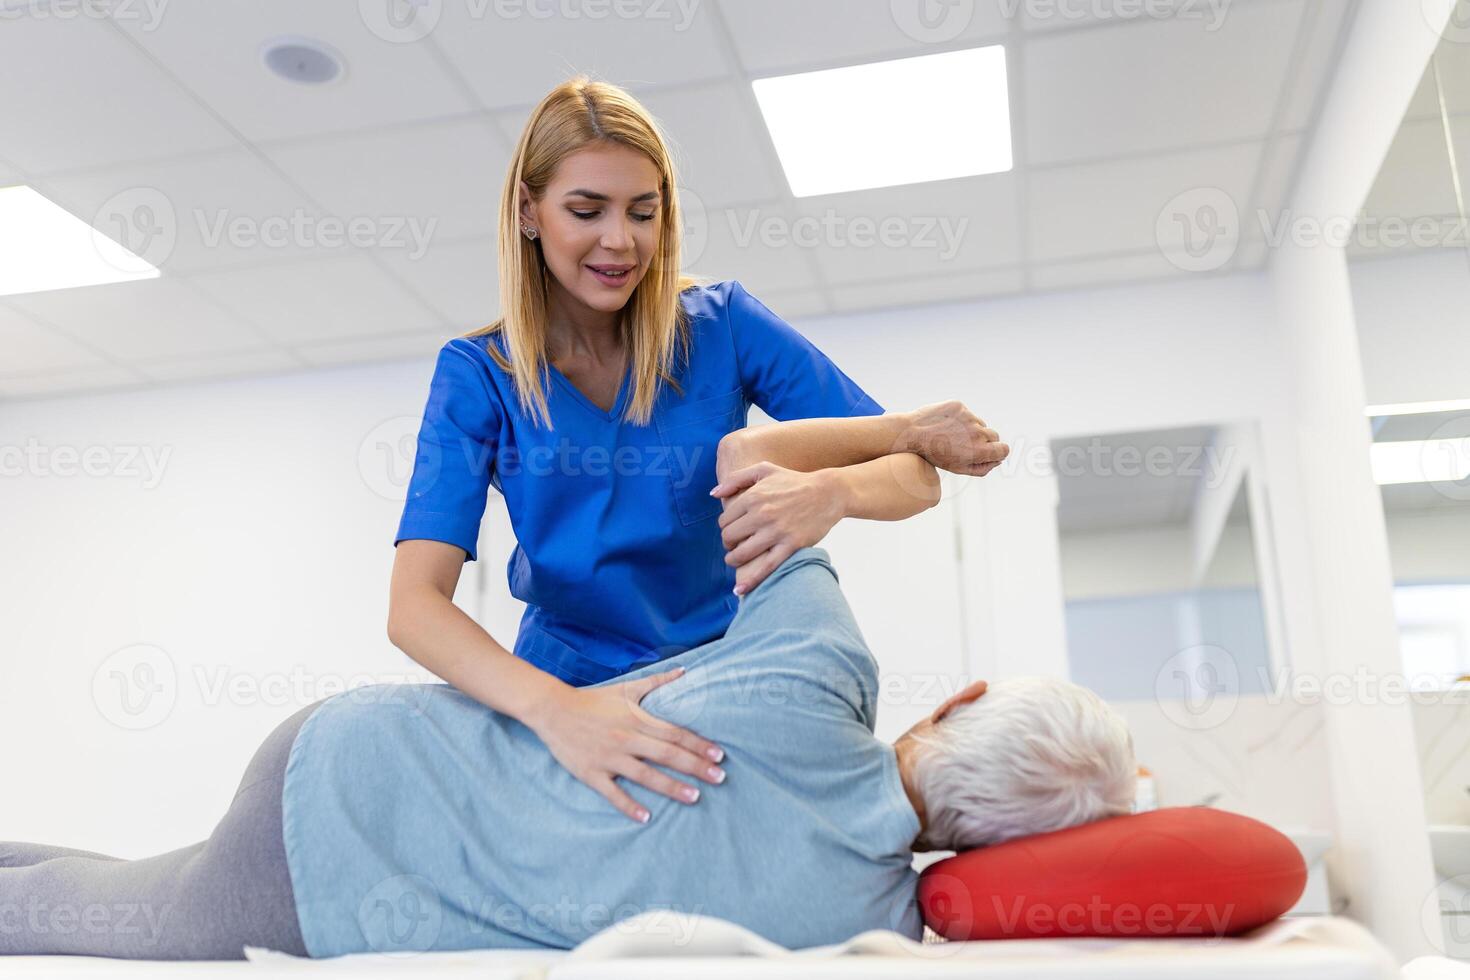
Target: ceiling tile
{"type": "Point", "coordinates": [1104, 271]}
{"type": "Point", "coordinates": [91, 99]}
{"type": "Point", "coordinates": [1271, 201]}
{"type": "Point", "coordinates": [775, 36]}
{"type": "Point", "coordinates": [935, 228]}
{"type": "Point", "coordinates": [1415, 178]}
{"type": "Point", "coordinates": [460, 280]}
{"type": "Point", "coordinates": [70, 382]}
{"type": "Point", "coordinates": [1116, 206]}
{"type": "Point", "coordinates": [340, 298]}
{"type": "Point", "coordinates": [754, 244]}
{"type": "Point", "coordinates": [1453, 61]}
{"type": "Point", "coordinates": [196, 213]}
{"type": "Point", "coordinates": [443, 179]}
{"type": "Point", "coordinates": [145, 318]}
{"type": "Point", "coordinates": [30, 347]}
{"type": "Point", "coordinates": [719, 143]}
{"type": "Point", "coordinates": [403, 346]}
{"type": "Point", "coordinates": [215, 49]}
{"type": "Point", "coordinates": [1315, 62]}
{"type": "Point", "coordinates": [859, 297]}
{"type": "Point", "coordinates": [217, 366]}
{"type": "Point", "coordinates": [1141, 87]}
{"type": "Point", "coordinates": [512, 54]}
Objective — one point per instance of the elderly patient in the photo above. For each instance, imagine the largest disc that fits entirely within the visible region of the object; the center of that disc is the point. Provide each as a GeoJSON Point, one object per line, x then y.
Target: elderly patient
{"type": "Point", "coordinates": [486, 841]}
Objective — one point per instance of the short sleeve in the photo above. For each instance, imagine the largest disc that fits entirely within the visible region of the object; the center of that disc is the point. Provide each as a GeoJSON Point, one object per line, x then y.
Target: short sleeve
{"type": "Point", "coordinates": [783, 372]}
{"type": "Point", "coordinates": [455, 455]}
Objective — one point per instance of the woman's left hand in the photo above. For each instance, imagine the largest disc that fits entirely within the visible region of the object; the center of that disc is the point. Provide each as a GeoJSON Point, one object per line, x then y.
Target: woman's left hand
{"type": "Point", "coordinates": [774, 513]}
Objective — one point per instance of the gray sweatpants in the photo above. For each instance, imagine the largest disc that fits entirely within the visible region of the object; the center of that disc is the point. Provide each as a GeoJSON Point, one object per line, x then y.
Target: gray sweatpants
{"type": "Point", "coordinates": [201, 902]}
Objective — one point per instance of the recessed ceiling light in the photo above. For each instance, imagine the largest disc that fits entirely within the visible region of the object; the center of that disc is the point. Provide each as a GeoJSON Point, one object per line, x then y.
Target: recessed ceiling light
{"type": "Point", "coordinates": [1418, 408]}
{"type": "Point", "coordinates": [933, 117]}
{"type": "Point", "coordinates": [302, 59]}
{"type": "Point", "coordinates": [43, 246]}
{"type": "Point", "coordinates": [1421, 461]}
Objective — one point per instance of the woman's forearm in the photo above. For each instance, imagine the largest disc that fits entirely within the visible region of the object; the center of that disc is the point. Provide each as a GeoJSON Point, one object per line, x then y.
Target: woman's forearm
{"type": "Point", "coordinates": [813, 444]}
{"type": "Point", "coordinates": [889, 488]}
{"type": "Point", "coordinates": [436, 633]}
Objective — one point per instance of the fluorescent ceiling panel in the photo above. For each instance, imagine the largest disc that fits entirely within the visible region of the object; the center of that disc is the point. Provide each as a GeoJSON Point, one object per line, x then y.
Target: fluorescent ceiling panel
{"type": "Point", "coordinates": [1417, 408]}
{"type": "Point", "coordinates": [934, 117]}
{"type": "Point", "coordinates": [1421, 461]}
{"type": "Point", "coordinates": [43, 246]}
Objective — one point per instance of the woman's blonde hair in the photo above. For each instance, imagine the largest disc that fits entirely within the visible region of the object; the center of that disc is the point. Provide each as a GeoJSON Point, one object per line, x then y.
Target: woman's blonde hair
{"type": "Point", "coordinates": [654, 325]}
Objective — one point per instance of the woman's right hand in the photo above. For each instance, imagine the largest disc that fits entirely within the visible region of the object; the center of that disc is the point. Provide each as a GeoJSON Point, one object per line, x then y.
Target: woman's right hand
{"type": "Point", "coordinates": [953, 438]}
{"type": "Point", "coordinates": [598, 733]}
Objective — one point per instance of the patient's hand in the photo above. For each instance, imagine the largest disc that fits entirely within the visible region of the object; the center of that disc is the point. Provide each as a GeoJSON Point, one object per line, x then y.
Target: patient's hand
{"type": "Point", "coordinates": [772, 512]}
{"type": "Point", "coordinates": [953, 438]}
{"type": "Point", "coordinates": [598, 733]}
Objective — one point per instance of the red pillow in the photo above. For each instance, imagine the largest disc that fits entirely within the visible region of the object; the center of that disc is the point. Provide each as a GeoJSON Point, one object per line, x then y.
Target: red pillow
{"type": "Point", "coordinates": [1179, 871]}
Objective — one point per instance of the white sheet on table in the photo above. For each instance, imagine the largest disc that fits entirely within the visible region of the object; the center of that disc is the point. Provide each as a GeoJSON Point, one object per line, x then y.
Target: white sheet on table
{"type": "Point", "coordinates": [676, 944]}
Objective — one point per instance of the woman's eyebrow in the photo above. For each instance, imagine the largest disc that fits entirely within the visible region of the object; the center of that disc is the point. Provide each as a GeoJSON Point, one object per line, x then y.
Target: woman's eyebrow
{"type": "Point", "coordinates": [595, 196]}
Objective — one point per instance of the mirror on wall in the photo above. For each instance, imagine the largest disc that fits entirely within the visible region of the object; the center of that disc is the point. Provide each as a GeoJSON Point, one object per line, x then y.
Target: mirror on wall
{"type": "Point", "coordinates": [1160, 560]}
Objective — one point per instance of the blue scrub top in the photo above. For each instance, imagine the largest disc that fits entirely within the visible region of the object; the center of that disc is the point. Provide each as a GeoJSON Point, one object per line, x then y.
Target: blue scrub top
{"type": "Point", "coordinates": [618, 554]}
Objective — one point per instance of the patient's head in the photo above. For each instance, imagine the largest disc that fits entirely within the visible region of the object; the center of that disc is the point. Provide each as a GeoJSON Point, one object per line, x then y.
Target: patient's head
{"type": "Point", "coordinates": [1021, 756]}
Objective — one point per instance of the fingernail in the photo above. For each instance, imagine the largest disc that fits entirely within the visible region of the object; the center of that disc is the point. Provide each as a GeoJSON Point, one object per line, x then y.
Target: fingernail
{"type": "Point", "coordinates": [712, 491]}
{"type": "Point", "coordinates": [643, 816]}
{"type": "Point", "coordinates": [715, 752]}
{"type": "Point", "coordinates": [717, 774]}
{"type": "Point", "coordinates": [739, 590]}
{"type": "Point", "coordinates": [689, 793]}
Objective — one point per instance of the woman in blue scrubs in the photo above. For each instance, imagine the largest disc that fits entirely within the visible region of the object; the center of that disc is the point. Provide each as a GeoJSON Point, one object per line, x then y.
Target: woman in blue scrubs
{"type": "Point", "coordinates": [596, 406]}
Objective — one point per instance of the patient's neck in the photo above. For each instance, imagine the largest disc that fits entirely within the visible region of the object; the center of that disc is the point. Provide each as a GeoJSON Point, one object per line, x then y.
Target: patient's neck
{"type": "Point", "coordinates": [905, 748]}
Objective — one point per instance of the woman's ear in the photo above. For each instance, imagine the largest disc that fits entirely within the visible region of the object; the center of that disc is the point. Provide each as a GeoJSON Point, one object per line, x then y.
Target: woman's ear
{"type": "Point", "coordinates": [527, 209]}
{"type": "Point", "coordinates": [970, 693]}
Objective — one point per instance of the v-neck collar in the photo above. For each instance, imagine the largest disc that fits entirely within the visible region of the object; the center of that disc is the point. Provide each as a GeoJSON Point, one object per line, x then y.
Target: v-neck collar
{"type": "Point", "coordinates": [589, 404]}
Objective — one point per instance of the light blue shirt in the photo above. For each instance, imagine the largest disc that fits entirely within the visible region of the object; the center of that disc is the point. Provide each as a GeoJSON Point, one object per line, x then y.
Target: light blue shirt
{"type": "Point", "coordinates": [618, 554]}
{"type": "Point", "coordinates": [416, 818]}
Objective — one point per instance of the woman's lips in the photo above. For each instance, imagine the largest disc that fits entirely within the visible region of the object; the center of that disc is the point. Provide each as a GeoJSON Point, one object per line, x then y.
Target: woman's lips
{"type": "Point", "coordinates": [608, 280]}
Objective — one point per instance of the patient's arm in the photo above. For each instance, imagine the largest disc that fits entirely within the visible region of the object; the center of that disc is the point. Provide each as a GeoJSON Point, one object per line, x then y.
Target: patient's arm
{"type": "Point", "coordinates": [785, 485]}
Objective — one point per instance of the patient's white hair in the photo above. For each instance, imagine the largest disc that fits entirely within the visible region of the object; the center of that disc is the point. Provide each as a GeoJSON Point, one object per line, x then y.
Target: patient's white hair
{"type": "Point", "coordinates": [1031, 754]}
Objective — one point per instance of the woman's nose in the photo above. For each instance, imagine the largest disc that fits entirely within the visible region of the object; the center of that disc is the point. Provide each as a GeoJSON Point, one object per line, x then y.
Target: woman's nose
{"type": "Point", "coordinates": [618, 235]}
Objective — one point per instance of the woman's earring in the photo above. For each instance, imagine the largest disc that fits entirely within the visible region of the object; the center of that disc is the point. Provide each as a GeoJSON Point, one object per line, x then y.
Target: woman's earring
{"type": "Point", "coordinates": [530, 232]}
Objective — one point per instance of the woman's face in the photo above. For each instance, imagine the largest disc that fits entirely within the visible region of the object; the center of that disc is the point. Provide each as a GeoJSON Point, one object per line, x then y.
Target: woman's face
{"type": "Point", "coordinates": [602, 208]}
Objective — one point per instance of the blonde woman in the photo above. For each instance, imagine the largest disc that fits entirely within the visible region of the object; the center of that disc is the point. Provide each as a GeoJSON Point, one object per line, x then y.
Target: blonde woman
{"type": "Point", "coordinates": [596, 405]}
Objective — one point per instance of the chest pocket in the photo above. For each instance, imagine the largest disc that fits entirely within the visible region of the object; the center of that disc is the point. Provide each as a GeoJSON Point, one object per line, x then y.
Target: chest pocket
{"type": "Point", "coordinates": [690, 433]}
